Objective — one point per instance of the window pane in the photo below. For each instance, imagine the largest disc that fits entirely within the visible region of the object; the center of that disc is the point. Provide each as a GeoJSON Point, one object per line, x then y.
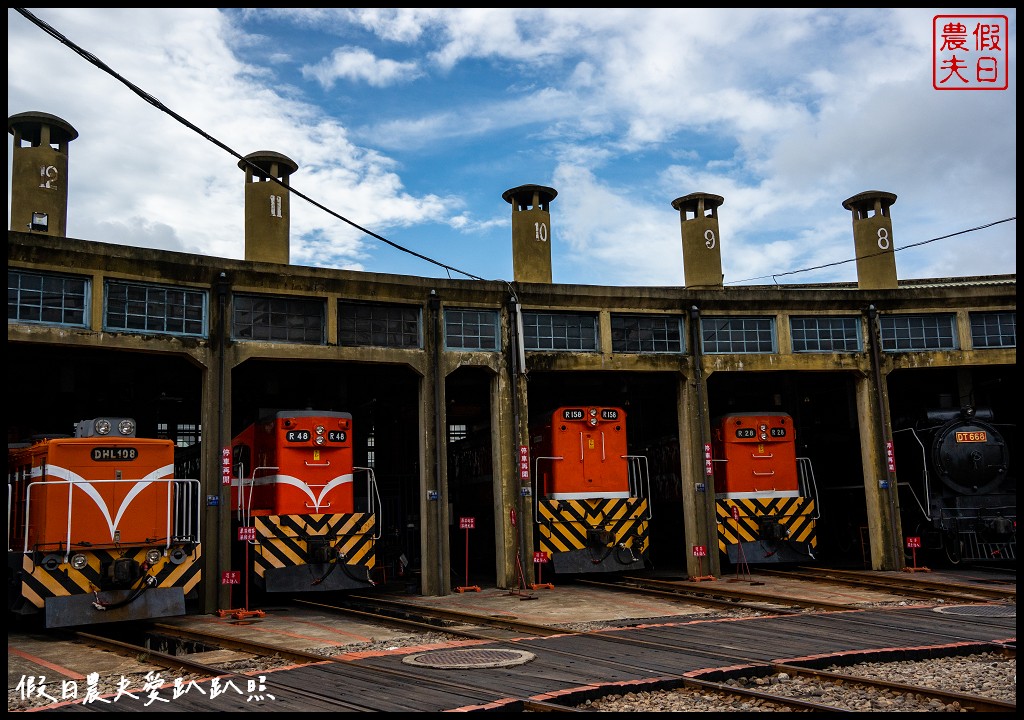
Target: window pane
{"type": "Point", "coordinates": [471, 329]}
{"type": "Point", "coordinates": [825, 334]}
{"type": "Point", "coordinates": [276, 319]}
{"type": "Point", "coordinates": [918, 332]}
{"type": "Point", "coordinates": [647, 333]}
{"type": "Point", "coordinates": [737, 335]}
{"type": "Point", "coordinates": [559, 331]}
{"type": "Point", "coordinates": [53, 299]}
{"type": "Point", "coordinates": [364, 324]}
{"type": "Point", "coordinates": [994, 329]}
{"type": "Point", "coordinates": [141, 307]}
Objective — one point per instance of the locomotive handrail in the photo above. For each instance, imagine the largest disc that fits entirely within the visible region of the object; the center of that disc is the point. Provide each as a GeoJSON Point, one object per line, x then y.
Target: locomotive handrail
{"type": "Point", "coordinates": [768, 473]}
{"type": "Point", "coordinates": [910, 489]}
{"type": "Point", "coordinates": [245, 504]}
{"type": "Point", "coordinates": [372, 494]}
{"type": "Point", "coordinates": [245, 501]}
{"type": "Point", "coordinates": [925, 481]}
{"type": "Point", "coordinates": [805, 469]}
{"type": "Point", "coordinates": [640, 479]}
{"type": "Point", "coordinates": [309, 464]}
{"type": "Point", "coordinates": [769, 456]}
{"type": "Point", "coordinates": [536, 481]}
{"type": "Point", "coordinates": [170, 482]}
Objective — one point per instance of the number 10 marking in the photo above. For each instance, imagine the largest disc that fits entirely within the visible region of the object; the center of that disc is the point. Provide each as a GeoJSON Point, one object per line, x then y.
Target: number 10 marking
{"type": "Point", "coordinates": [541, 231]}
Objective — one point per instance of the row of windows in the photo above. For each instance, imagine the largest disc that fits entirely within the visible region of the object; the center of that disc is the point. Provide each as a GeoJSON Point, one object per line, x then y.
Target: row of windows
{"type": "Point", "coordinates": [136, 307]}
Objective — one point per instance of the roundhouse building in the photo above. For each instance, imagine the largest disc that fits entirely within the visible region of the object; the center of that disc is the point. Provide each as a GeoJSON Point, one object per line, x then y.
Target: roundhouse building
{"type": "Point", "coordinates": [443, 377]}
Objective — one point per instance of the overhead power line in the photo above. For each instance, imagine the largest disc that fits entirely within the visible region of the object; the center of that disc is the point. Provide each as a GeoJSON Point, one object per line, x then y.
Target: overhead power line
{"type": "Point", "coordinates": [861, 257]}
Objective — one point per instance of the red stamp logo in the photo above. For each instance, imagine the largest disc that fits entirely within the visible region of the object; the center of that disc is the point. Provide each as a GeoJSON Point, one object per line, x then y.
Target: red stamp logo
{"type": "Point", "coordinates": [970, 52]}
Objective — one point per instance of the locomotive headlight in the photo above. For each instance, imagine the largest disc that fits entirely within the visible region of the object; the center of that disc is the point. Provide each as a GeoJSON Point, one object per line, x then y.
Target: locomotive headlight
{"type": "Point", "coordinates": [79, 561]}
{"type": "Point", "coordinates": [319, 429]}
{"type": "Point", "coordinates": [153, 556]}
{"type": "Point", "coordinates": [126, 427]}
{"type": "Point", "coordinates": [593, 412]}
{"type": "Point", "coordinates": [319, 440]}
{"type": "Point", "coordinates": [102, 426]}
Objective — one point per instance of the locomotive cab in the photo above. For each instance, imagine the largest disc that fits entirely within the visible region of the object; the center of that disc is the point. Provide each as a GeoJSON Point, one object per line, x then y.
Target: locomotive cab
{"type": "Point", "coordinates": [100, 529]}
{"type": "Point", "coordinates": [591, 497]}
{"type": "Point", "coordinates": [765, 496]}
{"type": "Point", "coordinates": [293, 495]}
{"type": "Point", "coordinates": [955, 472]}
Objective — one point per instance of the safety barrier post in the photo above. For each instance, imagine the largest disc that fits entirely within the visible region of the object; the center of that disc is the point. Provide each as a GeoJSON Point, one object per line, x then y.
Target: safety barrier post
{"type": "Point", "coordinates": [913, 543]}
{"type": "Point", "coordinates": [539, 558]}
{"type": "Point", "coordinates": [742, 567]}
{"type": "Point", "coordinates": [700, 552]}
{"type": "Point", "coordinates": [467, 524]}
{"type": "Point", "coordinates": [245, 535]}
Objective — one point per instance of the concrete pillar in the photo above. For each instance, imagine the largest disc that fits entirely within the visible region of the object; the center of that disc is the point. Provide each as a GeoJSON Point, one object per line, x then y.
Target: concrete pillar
{"type": "Point", "coordinates": [702, 247]}
{"type": "Point", "coordinates": [267, 206]}
{"type": "Point", "coordinates": [39, 172]}
{"type": "Point", "coordinates": [531, 232]}
{"type": "Point", "coordinates": [872, 239]}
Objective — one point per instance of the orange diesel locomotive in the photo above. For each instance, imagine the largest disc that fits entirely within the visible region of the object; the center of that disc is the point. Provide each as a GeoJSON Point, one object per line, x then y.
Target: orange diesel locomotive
{"type": "Point", "coordinates": [591, 498]}
{"type": "Point", "coordinates": [765, 495]}
{"type": "Point", "coordinates": [295, 489]}
{"type": "Point", "coordinates": [98, 528]}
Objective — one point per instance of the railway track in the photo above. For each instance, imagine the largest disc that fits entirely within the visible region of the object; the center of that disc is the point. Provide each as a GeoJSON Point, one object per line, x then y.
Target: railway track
{"type": "Point", "coordinates": [718, 595]}
{"type": "Point", "coordinates": [746, 595]}
{"type": "Point", "coordinates": [916, 585]}
{"type": "Point", "coordinates": [721, 691]}
{"type": "Point", "coordinates": [684, 654]}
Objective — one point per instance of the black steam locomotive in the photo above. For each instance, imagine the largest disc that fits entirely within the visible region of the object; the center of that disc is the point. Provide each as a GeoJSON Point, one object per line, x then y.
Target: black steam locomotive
{"type": "Point", "coordinates": [957, 488]}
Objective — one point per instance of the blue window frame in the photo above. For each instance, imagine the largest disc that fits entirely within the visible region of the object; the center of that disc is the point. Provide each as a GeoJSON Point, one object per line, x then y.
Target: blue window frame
{"type": "Point", "coordinates": [822, 333]}
{"type": "Point", "coordinates": [155, 309]}
{"type": "Point", "coordinates": [34, 297]}
{"type": "Point", "coordinates": [738, 335]}
{"type": "Point", "coordinates": [559, 331]}
{"type": "Point", "coordinates": [466, 329]}
{"type": "Point", "coordinates": [918, 332]}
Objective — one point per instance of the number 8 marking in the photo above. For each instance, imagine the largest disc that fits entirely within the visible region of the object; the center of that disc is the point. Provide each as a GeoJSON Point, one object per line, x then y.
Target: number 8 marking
{"type": "Point", "coordinates": [883, 239]}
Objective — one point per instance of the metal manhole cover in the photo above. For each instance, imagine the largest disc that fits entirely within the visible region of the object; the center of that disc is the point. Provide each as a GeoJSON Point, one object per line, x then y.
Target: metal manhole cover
{"type": "Point", "coordinates": [469, 658]}
{"type": "Point", "coordinates": [979, 610]}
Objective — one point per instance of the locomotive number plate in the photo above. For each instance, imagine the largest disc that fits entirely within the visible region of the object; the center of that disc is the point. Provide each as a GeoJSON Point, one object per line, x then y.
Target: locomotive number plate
{"type": "Point", "coordinates": [975, 436]}
{"type": "Point", "coordinates": [114, 454]}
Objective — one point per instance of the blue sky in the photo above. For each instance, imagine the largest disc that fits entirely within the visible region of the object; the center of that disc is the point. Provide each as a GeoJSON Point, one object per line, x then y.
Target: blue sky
{"type": "Point", "coordinates": [412, 122]}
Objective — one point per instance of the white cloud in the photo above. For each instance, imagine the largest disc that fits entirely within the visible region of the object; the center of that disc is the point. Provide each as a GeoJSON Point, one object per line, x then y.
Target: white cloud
{"type": "Point", "coordinates": [360, 65]}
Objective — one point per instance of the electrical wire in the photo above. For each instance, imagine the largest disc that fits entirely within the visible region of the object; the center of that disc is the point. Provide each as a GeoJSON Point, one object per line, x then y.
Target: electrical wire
{"type": "Point", "coordinates": [872, 254]}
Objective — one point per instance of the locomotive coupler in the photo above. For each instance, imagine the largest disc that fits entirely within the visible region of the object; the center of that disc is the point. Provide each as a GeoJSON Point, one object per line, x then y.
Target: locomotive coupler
{"type": "Point", "coordinates": [772, 531]}
{"type": "Point", "coordinates": [122, 572]}
{"type": "Point", "coordinates": [319, 550]}
{"type": "Point", "coordinates": [599, 538]}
